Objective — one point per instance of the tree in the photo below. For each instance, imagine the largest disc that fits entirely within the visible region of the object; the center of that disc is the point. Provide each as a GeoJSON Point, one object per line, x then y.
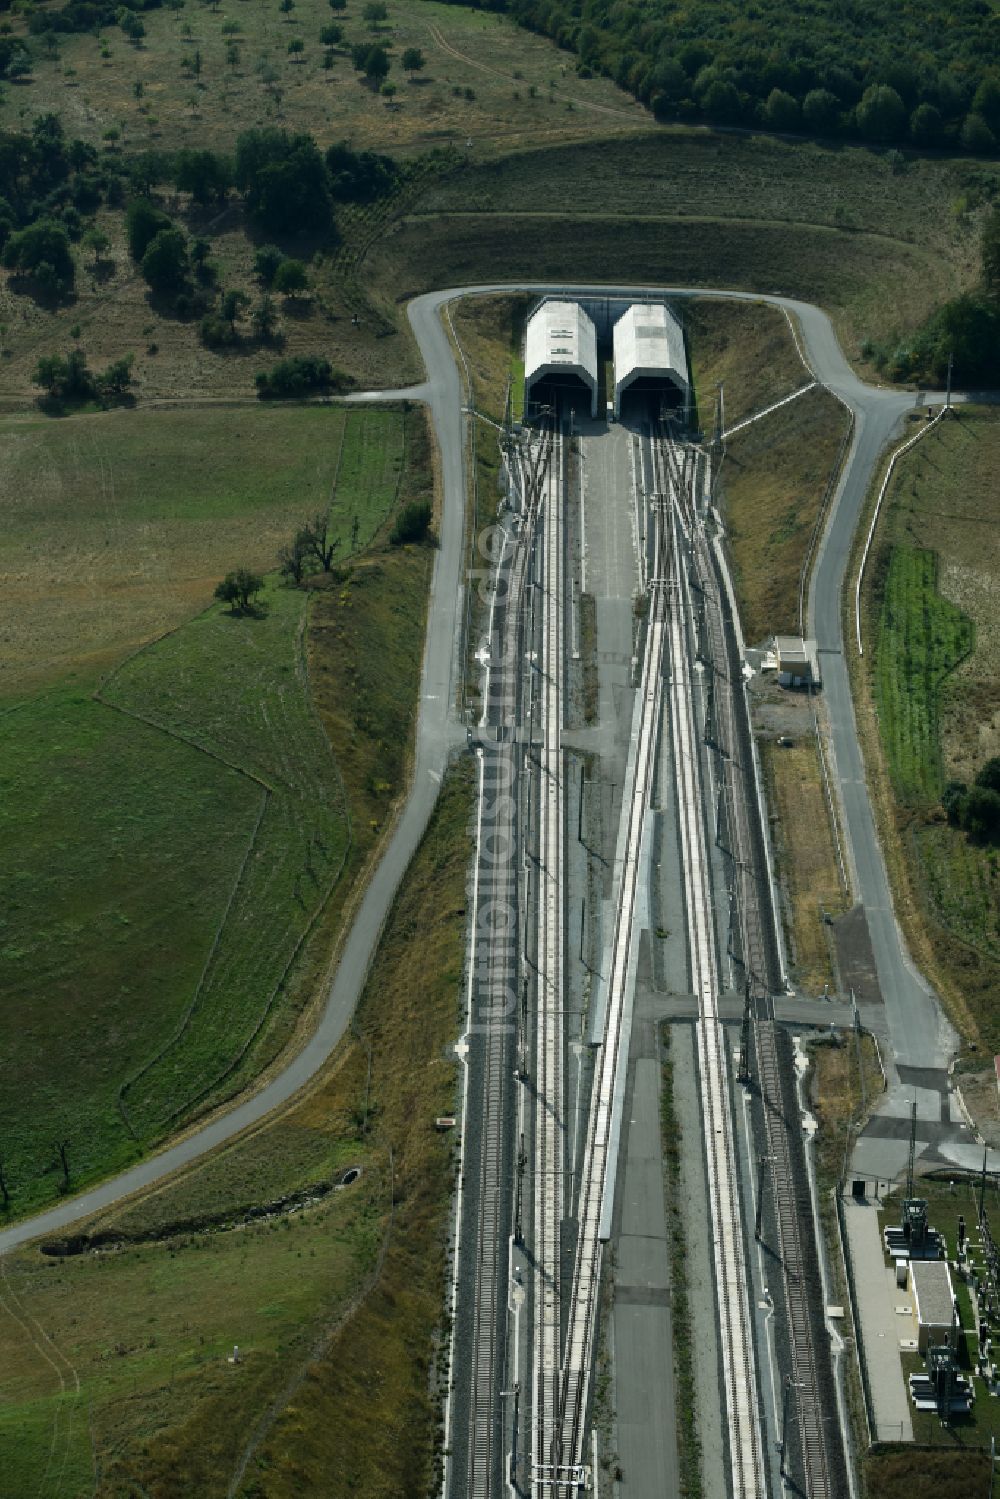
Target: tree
{"type": "Point", "coordinates": [239, 589]}
{"type": "Point", "coordinates": [720, 100]}
{"type": "Point", "coordinates": [233, 55]}
{"type": "Point", "coordinates": [117, 378]}
{"type": "Point", "coordinates": [292, 560]}
{"type": "Point", "coordinates": [284, 180]}
{"type": "Point", "coordinates": [976, 135]}
{"type": "Point", "coordinates": [989, 774]}
{"type": "Point", "coordinates": [359, 176]}
{"type": "Point", "coordinates": [332, 35]}
{"type": "Point", "coordinates": [290, 278]}
{"type": "Point", "coordinates": [203, 174]}
{"type": "Point", "coordinates": [232, 304]}
{"type": "Point", "coordinates": [66, 379]}
{"type": "Point", "coordinates": [389, 92]}
{"type": "Point", "coordinates": [41, 253]}
{"type": "Point", "coordinates": [820, 109]}
{"type": "Point", "coordinates": [291, 378]}
{"type": "Point", "coordinates": [881, 114]}
{"type": "Point", "coordinates": [266, 262]}
{"type": "Point", "coordinates": [377, 66]}
{"type": "Point", "coordinates": [337, 4]}
{"type": "Point", "coordinates": [296, 47]}
{"type": "Point", "coordinates": [165, 263]}
{"type": "Point", "coordinates": [990, 252]}
{"type": "Point", "coordinates": [781, 111]}
{"type": "Point", "coordinates": [264, 319]}
{"type": "Point", "coordinates": [132, 25]}
{"type": "Point", "coordinates": [413, 60]}
{"type": "Point", "coordinates": [981, 814]}
{"type": "Point", "coordinates": [97, 242]}
{"type": "Point", "coordinates": [986, 101]}
{"type": "Point", "coordinates": [315, 542]}
{"type": "Point", "coordinates": [412, 523]}
{"type": "Point", "coordinates": [375, 12]}
{"type": "Point", "coordinates": [926, 125]}
{"type": "Point", "coordinates": [143, 222]}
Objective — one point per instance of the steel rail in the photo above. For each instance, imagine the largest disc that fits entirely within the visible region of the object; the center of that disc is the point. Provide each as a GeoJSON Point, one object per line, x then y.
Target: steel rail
{"type": "Point", "coordinates": [736, 1343]}
{"type": "Point", "coordinates": [582, 1317]}
{"type": "Point", "coordinates": [549, 1020]}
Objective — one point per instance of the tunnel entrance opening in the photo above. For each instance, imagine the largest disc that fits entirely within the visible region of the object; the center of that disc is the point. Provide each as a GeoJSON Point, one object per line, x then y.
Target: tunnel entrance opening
{"type": "Point", "coordinates": [650, 398]}
{"type": "Point", "coordinates": [558, 392]}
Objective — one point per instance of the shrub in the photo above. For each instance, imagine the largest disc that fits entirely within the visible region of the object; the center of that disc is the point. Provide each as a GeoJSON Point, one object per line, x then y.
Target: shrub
{"type": "Point", "coordinates": [412, 523]}
{"type": "Point", "coordinates": [299, 376]}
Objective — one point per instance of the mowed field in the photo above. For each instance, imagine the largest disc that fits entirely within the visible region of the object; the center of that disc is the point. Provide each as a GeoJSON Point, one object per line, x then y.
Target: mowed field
{"type": "Point", "coordinates": [117, 526]}
{"type": "Point", "coordinates": [333, 1298]}
{"type": "Point", "coordinates": [175, 838]}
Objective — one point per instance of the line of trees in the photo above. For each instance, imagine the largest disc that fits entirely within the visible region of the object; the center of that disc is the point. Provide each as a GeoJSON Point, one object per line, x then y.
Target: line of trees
{"type": "Point", "coordinates": [68, 380]}
{"type": "Point", "coordinates": [870, 69]}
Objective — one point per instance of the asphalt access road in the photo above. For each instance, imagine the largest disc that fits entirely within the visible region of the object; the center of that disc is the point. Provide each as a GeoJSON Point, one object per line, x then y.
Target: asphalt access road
{"type": "Point", "coordinates": [919, 1033]}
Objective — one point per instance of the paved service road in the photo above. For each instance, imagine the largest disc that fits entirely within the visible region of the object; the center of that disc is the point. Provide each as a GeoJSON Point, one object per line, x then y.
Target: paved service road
{"type": "Point", "coordinates": [919, 1033]}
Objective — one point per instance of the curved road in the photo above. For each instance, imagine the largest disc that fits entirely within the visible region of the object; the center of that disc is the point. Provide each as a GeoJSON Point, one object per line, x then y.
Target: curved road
{"type": "Point", "coordinates": [919, 1032]}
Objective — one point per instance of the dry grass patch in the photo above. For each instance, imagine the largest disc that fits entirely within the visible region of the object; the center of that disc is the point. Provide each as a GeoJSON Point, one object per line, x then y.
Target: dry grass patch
{"type": "Point", "coordinates": [847, 1080]}
{"type": "Point", "coordinates": [807, 858]}
{"type": "Point", "coordinates": [491, 331]}
{"type": "Point", "coordinates": [523, 86]}
{"type": "Point", "coordinates": [773, 481]}
{"type": "Point", "coordinates": [746, 346]}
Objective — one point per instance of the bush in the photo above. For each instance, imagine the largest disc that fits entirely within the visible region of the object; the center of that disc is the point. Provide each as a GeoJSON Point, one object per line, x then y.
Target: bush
{"type": "Point", "coordinates": [412, 523]}
{"type": "Point", "coordinates": [300, 376]}
{"type": "Point", "coordinates": [217, 332]}
{"type": "Point", "coordinates": [143, 222]}
{"type": "Point", "coordinates": [266, 262]}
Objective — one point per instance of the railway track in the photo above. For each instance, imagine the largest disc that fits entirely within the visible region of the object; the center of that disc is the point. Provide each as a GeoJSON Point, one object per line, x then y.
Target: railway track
{"type": "Point", "coordinates": [810, 1422]}
{"type": "Point", "coordinates": [549, 1006]}
{"type": "Point", "coordinates": [732, 1291]}
{"type": "Point", "coordinates": [498, 946]}
{"type": "Point", "coordinates": [600, 1140]}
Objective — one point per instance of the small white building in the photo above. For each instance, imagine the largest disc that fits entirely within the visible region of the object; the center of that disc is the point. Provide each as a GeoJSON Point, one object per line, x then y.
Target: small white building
{"type": "Point", "coordinates": [650, 356]}
{"type": "Point", "coordinates": [560, 355]}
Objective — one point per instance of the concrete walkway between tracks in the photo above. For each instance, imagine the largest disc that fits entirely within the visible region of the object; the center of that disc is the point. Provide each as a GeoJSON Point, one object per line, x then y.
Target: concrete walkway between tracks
{"type": "Point", "coordinates": [880, 1326]}
{"type": "Point", "coordinates": [643, 1316]}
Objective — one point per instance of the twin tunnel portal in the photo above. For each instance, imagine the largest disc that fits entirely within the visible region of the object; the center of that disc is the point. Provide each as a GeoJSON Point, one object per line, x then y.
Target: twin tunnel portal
{"type": "Point", "coordinates": [621, 862]}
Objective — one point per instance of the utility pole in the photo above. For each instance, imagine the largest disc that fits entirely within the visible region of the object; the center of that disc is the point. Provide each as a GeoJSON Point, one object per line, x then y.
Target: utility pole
{"type": "Point", "coordinates": [951, 361]}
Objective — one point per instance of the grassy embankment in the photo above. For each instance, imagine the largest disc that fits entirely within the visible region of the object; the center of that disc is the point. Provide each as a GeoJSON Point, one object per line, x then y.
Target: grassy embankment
{"type": "Point", "coordinates": [833, 225]}
{"type": "Point", "coordinates": [169, 860]}
{"type": "Point", "coordinates": [334, 1306]}
{"type": "Point", "coordinates": [928, 706]}
{"type": "Point", "coordinates": [488, 331]}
